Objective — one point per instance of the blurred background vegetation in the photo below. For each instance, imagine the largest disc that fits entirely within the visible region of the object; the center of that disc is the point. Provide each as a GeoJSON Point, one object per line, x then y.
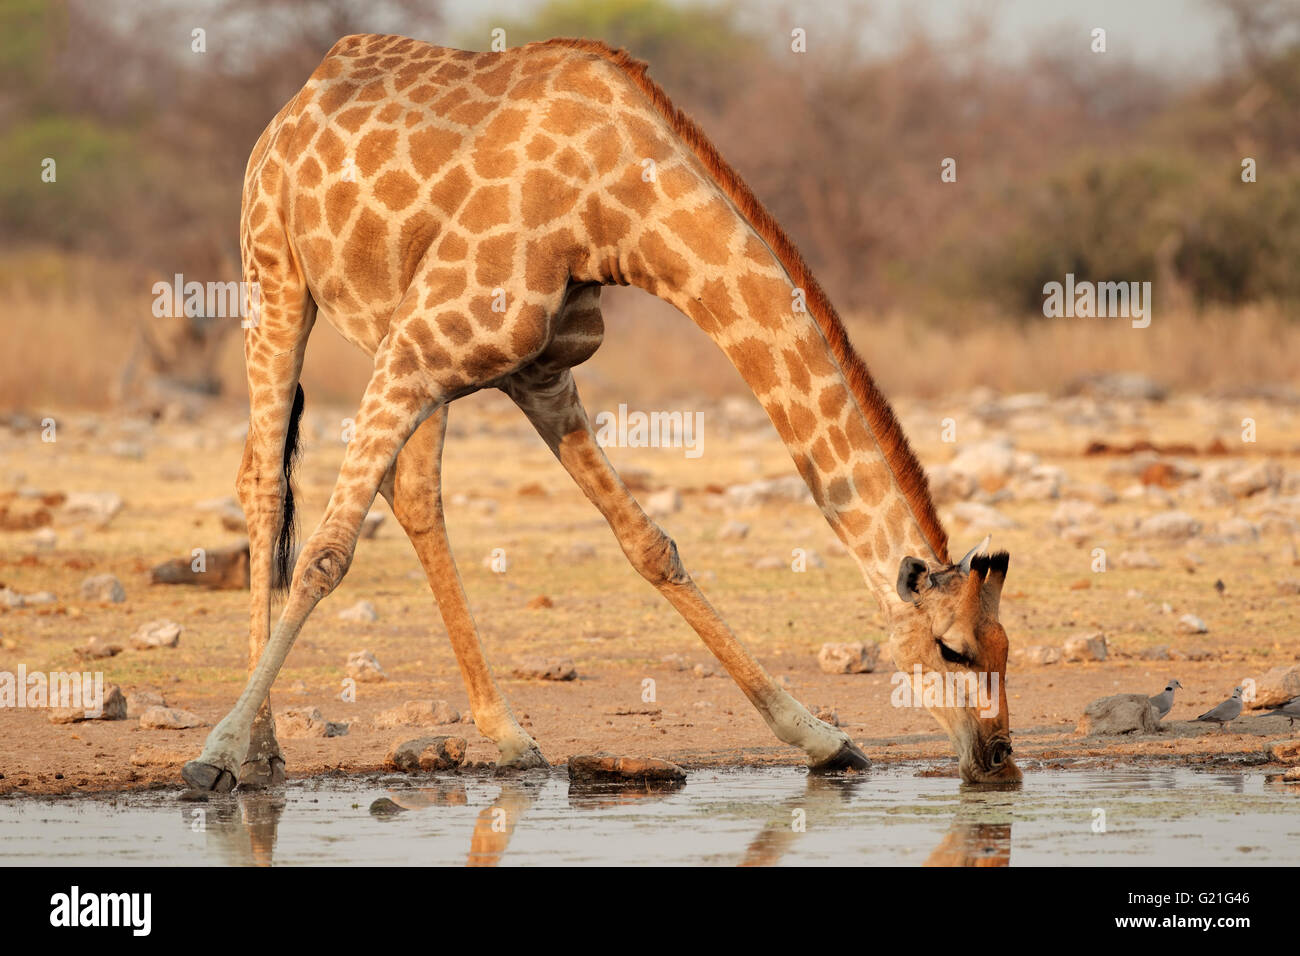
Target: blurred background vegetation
{"type": "Point", "coordinates": [1066, 161]}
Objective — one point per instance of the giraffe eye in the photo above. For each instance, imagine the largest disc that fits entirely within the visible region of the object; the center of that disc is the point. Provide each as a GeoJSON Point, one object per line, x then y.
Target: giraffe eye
{"type": "Point", "coordinates": [953, 657]}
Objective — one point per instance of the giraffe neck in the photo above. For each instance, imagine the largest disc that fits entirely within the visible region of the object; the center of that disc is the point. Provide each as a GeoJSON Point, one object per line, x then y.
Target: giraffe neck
{"type": "Point", "coordinates": [757, 315]}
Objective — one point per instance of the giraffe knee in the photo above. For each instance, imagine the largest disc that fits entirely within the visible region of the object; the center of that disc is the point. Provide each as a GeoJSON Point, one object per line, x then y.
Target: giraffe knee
{"type": "Point", "coordinates": [320, 569]}
{"type": "Point", "coordinates": [655, 558]}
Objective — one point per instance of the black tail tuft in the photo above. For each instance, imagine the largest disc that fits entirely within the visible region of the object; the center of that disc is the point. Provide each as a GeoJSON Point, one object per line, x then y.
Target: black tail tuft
{"type": "Point", "coordinates": [283, 567]}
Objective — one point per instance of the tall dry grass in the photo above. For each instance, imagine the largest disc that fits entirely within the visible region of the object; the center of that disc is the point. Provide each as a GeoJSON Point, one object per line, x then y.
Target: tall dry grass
{"type": "Point", "coordinates": [69, 328]}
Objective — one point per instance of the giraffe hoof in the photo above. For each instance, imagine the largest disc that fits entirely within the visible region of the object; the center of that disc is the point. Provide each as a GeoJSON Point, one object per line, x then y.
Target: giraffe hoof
{"type": "Point", "coordinates": [848, 757]}
{"type": "Point", "coordinates": [262, 773]}
{"type": "Point", "coordinates": [204, 776]}
{"type": "Point", "coordinates": [530, 759]}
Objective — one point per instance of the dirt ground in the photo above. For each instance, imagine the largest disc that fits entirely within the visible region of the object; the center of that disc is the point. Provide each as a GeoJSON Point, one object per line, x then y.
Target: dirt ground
{"type": "Point", "coordinates": [504, 491]}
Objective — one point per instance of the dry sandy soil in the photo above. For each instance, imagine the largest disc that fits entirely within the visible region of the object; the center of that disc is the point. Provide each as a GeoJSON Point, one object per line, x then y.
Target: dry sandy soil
{"type": "Point", "coordinates": [505, 491]}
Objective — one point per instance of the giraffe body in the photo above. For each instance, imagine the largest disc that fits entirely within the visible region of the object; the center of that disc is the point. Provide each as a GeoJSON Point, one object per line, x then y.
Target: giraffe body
{"type": "Point", "coordinates": [454, 215]}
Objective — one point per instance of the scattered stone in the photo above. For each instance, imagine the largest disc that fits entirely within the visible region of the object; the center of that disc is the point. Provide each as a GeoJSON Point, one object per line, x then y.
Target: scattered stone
{"type": "Point", "coordinates": [853, 657]}
{"type": "Point", "coordinates": [982, 516]}
{"type": "Point", "coordinates": [733, 531]}
{"type": "Point", "coordinates": [1091, 492]}
{"type": "Point", "coordinates": [383, 807]}
{"type": "Point", "coordinates": [232, 519]}
{"type": "Point", "coordinates": [1277, 686]}
{"type": "Point", "coordinates": [1252, 479]}
{"type": "Point", "coordinates": [97, 648]}
{"type": "Point", "coordinates": [113, 707]}
{"type": "Point", "coordinates": [418, 713]}
{"type": "Point", "coordinates": [99, 507]}
{"type": "Point", "coordinates": [220, 569]}
{"type": "Point", "coordinates": [547, 670]}
{"type": "Point", "coordinates": [1074, 512]}
{"type": "Point", "coordinates": [1039, 483]}
{"type": "Point", "coordinates": [1118, 714]}
{"type": "Point", "coordinates": [362, 611]}
{"type": "Point", "coordinates": [156, 634]}
{"type": "Point", "coordinates": [540, 602]}
{"type": "Point", "coordinates": [662, 503]}
{"type": "Point", "coordinates": [947, 484]}
{"type": "Point", "coordinates": [304, 722]}
{"type": "Point", "coordinates": [1191, 624]}
{"type": "Point", "coordinates": [1158, 653]}
{"type": "Point", "coordinates": [140, 701]}
{"type": "Point", "coordinates": [1284, 751]}
{"type": "Point", "coordinates": [1192, 654]}
{"type": "Point", "coordinates": [1039, 654]}
{"type": "Point", "coordinates": [770, 563]}
{"type": "Point", "coordinates": [1169, 526]}
{"type": "Point", "coordinates": [103, 587]}
{"type": "Point", "coordinates": [1085, 647]}
{"type": "Point", "coordinates": [767, 491]}
{"type": "Point", "coordinates": [703, 670]}
{"type": "Point", "coordinates": [371, 523]}
{"type": "Point", "coordinates": [169, 718]}
{"type": "Point", "coordinates": [10, 598]}
{"type": "Point", "coordinates": [39, 598]}
{"type": "Point", "coordinates": [426, 753]}
{"type": "Point", "coordinates": [45, 539]}
{"type": "Point", "coordinates": [1236, 531]}
{"type": "Point", "coordinates": [990, 459]}
{"type": "Point", "coordinates": [606, 768]}
{"type": "Point", "coordinates": [364, 666]}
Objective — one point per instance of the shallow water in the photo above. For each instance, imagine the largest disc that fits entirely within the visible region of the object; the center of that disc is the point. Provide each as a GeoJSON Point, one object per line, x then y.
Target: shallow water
{"type": "Point", "coordinates": [890, 816]}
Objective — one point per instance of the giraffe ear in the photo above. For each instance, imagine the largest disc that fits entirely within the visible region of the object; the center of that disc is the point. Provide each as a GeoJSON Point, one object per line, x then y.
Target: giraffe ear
{"type": "Point", "coordinates": [910, 571]}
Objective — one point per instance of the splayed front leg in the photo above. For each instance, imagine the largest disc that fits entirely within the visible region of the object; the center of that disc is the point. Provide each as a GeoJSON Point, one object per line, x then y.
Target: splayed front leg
{"type": "Point", "coordinates": [829, 749]}
{"type": "Point", "coordinates": [263, 765]}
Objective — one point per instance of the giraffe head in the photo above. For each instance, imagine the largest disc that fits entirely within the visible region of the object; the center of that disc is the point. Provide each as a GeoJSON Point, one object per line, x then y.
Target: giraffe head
{"type": "Point", "coordinates": [949, 642]}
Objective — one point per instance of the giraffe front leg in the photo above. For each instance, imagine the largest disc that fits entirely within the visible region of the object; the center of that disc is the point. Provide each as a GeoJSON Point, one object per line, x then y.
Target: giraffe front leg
{"type": "Point", "coordinates": [414, 489]}
{"type": "Point", "coordinates": [553, 407]}
{"type": "Point", "coordinates": [396, 401]}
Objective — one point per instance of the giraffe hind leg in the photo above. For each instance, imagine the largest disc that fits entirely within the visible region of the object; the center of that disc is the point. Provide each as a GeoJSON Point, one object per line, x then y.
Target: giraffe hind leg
{"type": "Point", "coordinates": [414, 489]}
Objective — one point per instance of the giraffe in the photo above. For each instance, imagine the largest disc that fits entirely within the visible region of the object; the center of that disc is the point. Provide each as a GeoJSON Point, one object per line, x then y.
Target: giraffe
{"type": "Point", "coordinates": [455, 215]}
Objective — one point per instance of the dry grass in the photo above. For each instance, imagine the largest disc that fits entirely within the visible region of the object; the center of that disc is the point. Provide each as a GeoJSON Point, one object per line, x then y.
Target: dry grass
{"type": "Point", "coordinates": [70, 326]}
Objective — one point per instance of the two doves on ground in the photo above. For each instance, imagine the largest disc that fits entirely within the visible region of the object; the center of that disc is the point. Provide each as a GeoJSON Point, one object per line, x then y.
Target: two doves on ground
{"type": "Point", "coordinates": [1222, 714]}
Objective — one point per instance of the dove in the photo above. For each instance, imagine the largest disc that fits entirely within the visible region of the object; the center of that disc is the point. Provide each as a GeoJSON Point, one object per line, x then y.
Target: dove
{"type": "Point", "coordinates": [1290, 709]}
{"type": "Point", "coordinates": [1226, 712]}
{"type": "Point", "coordinates": [1164, 702]}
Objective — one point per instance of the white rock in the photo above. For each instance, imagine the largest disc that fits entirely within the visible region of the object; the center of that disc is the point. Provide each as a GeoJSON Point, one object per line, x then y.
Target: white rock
{"type": "Point", "coordinates": [1191, 624]}
{"type": "Point", "coordinates": [1169, 526]}
{"type": "Point", "coordinates": [103, 587]}
{"type": "Point", "coordinates": [362, 611]}
{"type": "Point", "coordinates": [156, 634]}
{"type": "Point", "coordinates": [790, 488]}
{"type": "Point", "coordinates": [364, 666]}
{"type": "Point", "coordinates": [169, 718]}
{"type": "Point", "coordinates": [981, 516]}
{"type": "Point", "coordinates": [855, 657]}
{"type": "Point", "coordinates": [665, 502]}
{"type": "Point", "coordinates": [1085, 647]}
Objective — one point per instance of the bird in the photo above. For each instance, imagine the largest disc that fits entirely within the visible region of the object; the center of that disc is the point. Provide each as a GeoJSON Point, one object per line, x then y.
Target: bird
{"type": "Point", "coordinates": [1164, 702]}
{"type": "Point", "coordinates": [1290, 710]}
{"type": "Point", "coordinates": [1226, 712]}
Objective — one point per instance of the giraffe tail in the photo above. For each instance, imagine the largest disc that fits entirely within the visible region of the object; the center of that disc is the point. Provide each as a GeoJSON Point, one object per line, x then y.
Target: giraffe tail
{"type": "Point", "coordinates": [284, 545]}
